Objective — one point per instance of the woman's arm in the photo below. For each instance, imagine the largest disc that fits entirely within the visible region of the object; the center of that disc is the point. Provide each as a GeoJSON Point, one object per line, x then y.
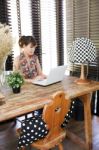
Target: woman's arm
{"type": "Point", "coordinates": [39, 70]}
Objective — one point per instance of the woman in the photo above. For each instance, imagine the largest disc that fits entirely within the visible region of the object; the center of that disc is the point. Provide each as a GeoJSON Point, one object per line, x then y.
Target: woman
{"type": "Point", "coordinates": [27, 62]}
{"type": "Point", "coordinates": [28, 65]}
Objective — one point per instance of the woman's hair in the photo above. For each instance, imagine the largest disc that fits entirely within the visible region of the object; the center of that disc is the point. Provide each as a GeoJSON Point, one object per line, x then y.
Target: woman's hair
{"type": "Point", "coordinates": [25, 40]}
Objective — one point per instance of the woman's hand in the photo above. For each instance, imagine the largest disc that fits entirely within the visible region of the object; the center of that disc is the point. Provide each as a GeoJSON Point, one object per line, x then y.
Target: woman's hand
{"type": "Point", "coordinates": [29, 80]}
{"type": "Point", "coordinates": [41, 77]}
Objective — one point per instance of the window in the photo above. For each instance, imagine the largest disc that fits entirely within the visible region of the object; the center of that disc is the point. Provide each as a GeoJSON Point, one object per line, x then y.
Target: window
{"type": "Point", "coordinates": [25, 15]}
{"type": "Point", "coordinates": [53, 33]}
{"type": "Point", "coordinates": [14, 25]}
{"type": "Point", "coordinates": [44, 20]}
{"type": "Point", "coordinates": [48, 34]}
{"type": "Point", "coordinates": [65, 32]}
{"type": "Point", "coordinates": [20, 20]}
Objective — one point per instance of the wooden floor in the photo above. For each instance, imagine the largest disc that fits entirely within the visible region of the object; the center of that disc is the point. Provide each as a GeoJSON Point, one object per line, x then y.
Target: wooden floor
{"type": "Point", "coordinates": [75, 126]}
{"type": "Point", "coordinates": [78, 128]}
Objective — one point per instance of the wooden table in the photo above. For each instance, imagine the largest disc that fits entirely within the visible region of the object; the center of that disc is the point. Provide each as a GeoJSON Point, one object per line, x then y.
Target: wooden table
{"type": "Point", "coordinates": [33, 97]}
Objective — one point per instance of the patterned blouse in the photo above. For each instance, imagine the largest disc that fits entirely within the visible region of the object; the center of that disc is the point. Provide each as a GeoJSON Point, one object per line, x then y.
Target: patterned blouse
{"type": "Point", "coordinates": [28, 67]}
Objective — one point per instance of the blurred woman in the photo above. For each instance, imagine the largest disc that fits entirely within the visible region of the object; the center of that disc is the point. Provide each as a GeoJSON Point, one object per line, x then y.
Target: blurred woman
{"type": "Point", "coordinates": [27, 62]}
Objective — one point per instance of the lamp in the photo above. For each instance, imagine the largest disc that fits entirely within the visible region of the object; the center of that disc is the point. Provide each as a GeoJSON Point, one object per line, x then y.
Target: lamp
{"type": "Point", "coordinates": [82, 51]}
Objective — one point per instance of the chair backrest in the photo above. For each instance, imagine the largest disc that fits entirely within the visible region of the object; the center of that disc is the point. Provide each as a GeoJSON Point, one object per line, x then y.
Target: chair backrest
{"type": "Point", "coordinates": [54, 113]}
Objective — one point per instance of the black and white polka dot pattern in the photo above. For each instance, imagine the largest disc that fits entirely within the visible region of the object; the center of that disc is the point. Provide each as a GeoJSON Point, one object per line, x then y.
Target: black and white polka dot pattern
{"type": "Point", "coordinates": [32, 129]}
{"type": "Point", "coordinates": [82, 51]}
{"type": "Point", "coordinates": [69, 115]}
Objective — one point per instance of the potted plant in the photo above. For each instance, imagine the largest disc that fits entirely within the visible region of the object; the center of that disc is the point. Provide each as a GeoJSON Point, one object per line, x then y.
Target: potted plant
{"type": "Point", "coordinates": [15, 80]}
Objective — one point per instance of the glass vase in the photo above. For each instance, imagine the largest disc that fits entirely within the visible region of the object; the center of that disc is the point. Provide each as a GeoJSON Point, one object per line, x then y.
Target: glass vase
{"type": "Point", "coordinates": [2, 74]}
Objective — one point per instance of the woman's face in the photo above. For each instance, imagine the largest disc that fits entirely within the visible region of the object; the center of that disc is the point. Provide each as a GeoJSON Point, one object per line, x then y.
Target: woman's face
{"type": "Point", "coordinates": [29, 49]}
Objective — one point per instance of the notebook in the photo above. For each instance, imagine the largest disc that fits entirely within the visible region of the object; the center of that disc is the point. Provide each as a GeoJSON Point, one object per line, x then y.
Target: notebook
{"type": "Point", "coordinates": [55, 75]}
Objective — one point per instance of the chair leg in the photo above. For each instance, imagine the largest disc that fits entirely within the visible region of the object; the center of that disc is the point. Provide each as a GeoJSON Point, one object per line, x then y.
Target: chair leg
{"type": "Point", "coordinates": [60, 146]}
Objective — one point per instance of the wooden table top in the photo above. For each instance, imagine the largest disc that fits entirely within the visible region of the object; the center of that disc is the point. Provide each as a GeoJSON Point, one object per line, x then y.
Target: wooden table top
{"type": "Point", "coordinates": [33, 97]}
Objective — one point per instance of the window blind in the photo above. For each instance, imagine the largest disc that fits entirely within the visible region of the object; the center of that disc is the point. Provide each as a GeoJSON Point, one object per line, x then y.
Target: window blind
{"type": "Point", "coordinates": [77, 25]}
{"type": "Point", "coordinates": [94, 23]}
{"type": "Point", "coordinates": [18, 24]}
{"type": "Point", "coordinates": [81, 25]}
{"type": "Point", "coordinates": [94, 36]}
{"type": "Point", "coordinates": [52, 33]}
{"type": "Point", "coordinates": [69, 22]}
{"type": "Point", "coordinates": [3, 12]}
{"type": "Point", "coordinates": [83, 20]}
{"type": "Point", "coordinates": [60, 32]}
{"type": "Point", "coordinates": [18, 17]}
{"type": "Point", "coordinates": [24, 16]}
{"type": "Point", "coordinates": [36, 25]}
{"type": "Point", "coordinates": [64, 32]}
{"type": "Point", "coordinates": [48, 34]}
{"type": "Point", "coordinates": [19, 20]}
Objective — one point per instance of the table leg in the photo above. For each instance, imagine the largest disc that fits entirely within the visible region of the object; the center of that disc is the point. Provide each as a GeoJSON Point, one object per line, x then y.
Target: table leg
{"type": "Point", "coordinates": [87, 144]}
{"type": "Point", "coordinates": [86, 99]}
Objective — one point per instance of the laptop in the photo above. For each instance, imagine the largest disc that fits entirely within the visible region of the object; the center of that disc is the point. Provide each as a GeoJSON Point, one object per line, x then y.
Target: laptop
{"type": "Point", "coordinates": [55, 75]}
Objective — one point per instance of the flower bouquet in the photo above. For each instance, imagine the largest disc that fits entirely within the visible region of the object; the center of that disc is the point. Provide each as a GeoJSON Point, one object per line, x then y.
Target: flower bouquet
{"type": "Point", "coordinates": [6, 43]}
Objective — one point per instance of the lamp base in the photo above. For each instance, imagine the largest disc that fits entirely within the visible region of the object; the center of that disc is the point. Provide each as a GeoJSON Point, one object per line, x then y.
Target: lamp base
{"type": "Point", "coordinates": [82, 81]}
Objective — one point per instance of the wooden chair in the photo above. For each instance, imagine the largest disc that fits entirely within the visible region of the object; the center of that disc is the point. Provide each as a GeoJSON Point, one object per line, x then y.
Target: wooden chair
{"type": "Point", "coordinates": [53, 115]}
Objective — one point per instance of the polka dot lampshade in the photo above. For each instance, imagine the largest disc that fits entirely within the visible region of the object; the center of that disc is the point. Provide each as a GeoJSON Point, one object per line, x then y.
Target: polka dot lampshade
{"type": "Point", "coordinates": [82, 51]}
